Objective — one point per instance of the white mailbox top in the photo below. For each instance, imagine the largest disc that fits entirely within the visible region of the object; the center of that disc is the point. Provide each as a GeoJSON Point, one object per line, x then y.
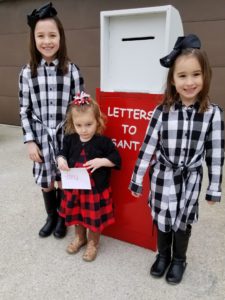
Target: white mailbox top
{"type": "Point", "coordinates": [132, 42]}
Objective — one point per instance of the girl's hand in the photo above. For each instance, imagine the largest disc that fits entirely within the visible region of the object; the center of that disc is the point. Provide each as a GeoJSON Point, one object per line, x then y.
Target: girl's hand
{"type": "Point", "coordinates": [136, 195]}
{"type": "Point", "coordinates": [62, 164]}
{"type": "Point", "coordinates": [211, 202]}
{"type": "Point", "coordinates": [96, 163]}
{"type": "Point", "coordinates": [34, 152]}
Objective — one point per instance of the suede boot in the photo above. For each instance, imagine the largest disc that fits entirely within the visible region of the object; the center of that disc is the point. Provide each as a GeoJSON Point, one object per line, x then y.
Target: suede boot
{"type": "Point", "coordinates": [79, 241]}
{"type": "Point", "coordinates": [163, 257]}
{"type": "Point", "coordinates": [92, 246]}
{"type": "Point", "coordinates": [178, 264]}
{"type": "Point", "coordinates": [60, 229]}
{"type": "Point", "coordinates": [51, 209]}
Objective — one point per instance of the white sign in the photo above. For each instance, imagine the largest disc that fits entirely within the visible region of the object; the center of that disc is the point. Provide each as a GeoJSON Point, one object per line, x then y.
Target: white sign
{"type": "Point", "coordinates": [76, 178]}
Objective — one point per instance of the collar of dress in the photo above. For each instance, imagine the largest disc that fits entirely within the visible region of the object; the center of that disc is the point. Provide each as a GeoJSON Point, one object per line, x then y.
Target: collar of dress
{"type": "Point", "coordinates": [54, 63]}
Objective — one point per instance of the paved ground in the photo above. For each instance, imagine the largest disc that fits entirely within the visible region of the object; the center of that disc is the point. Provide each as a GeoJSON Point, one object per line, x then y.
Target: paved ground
{"type": "Point", "coordinates": [35, 268]}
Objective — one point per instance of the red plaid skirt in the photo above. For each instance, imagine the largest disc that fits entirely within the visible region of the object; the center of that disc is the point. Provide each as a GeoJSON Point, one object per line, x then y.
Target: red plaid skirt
{"type": "Point", "coordinates": [88, 208]}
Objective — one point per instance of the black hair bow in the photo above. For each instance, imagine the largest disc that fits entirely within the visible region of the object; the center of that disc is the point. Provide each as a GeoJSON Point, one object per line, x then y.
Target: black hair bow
{"type": "Point", "coordinates": [183, 42]}
{"type": "Point", "coordinates": [46, 11]}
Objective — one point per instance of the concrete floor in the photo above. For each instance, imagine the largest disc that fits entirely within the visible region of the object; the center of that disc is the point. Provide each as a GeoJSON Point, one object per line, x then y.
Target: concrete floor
{"type": "Point", "coordinates": [35, 268]}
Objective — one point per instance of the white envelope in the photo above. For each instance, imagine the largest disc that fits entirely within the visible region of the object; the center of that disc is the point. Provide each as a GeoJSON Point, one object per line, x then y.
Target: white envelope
{"type": "Point", "coordinates": [76, 178]}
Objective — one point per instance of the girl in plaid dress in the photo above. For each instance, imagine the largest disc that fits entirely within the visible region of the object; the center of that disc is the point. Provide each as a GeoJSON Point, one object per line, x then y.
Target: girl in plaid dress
{"type": "Point", "coordinates": [84, 146]}
{"type": "Point", "coordinates": [183, 131]}
{"type": "Point", "coordinates": [46, 86]}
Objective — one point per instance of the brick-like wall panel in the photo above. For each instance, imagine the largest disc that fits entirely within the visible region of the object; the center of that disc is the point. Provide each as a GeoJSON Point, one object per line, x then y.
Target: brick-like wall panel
{"type": "Point", "coordinates": [81, 20]}
{"type": "Point", "coordinates": [10, 112]}
{"type": "Point", "coordinates": [9, 81]}
{"type": "Point", "coordinates": [217, 91]}
{"type": "Point", "coordinates": [83, 47]}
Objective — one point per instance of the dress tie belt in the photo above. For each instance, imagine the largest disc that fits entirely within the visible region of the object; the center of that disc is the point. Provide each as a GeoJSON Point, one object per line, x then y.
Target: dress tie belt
{"type": "Point", "coordinates": [51, 133]}
{"type": "Point", "coordinates": [180, 174]}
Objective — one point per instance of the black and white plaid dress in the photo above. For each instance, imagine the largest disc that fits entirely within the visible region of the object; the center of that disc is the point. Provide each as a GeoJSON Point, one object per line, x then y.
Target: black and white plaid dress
{"type": "Point", "coordinates": [44, 101]}
{"type": "Point", "coordinates": [175, 145]}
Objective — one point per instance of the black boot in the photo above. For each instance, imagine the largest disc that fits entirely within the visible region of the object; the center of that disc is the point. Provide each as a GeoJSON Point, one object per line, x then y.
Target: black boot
{"type": "Point", "coordinates": [51, 209]}
{"type": "Point", "coordinates": [178, 264]}
{"type": "Point", "coordinates": [60, 229]}
{"type": "Point", "coordinates": [163, 258]}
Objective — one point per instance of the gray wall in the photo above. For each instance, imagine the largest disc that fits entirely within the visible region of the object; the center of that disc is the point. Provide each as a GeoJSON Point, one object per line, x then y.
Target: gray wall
{"type": "Point", "coordinates": [81, 21]}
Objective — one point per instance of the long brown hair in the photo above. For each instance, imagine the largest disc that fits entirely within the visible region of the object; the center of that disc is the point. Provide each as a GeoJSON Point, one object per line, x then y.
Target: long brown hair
{"type": "Point", "coordinates": [35, 55]}
{"type": "Point", "coordinates": [94, 106]}
{"type": "Point", "coordinates": [171, 96]}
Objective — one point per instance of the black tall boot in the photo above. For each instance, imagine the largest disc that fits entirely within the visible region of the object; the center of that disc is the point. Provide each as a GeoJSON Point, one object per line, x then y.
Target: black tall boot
{"type": "Point", "coordinates": [178, 264]}
{"type": "Point", "coordinates": [60, 229]}
{"type": "Point", "coordinates": [163, 257]}
{"type": "Point", "coordinates": [51, 209]}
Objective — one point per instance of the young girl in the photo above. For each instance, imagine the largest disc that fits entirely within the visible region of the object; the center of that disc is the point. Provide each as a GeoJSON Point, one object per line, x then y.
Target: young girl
{"type": "Point", "coordinates": [46, 86]}
{"type": "Point", "coordinates": [84, 146]}
{"type": "Point", "coordinates": [184, 129]}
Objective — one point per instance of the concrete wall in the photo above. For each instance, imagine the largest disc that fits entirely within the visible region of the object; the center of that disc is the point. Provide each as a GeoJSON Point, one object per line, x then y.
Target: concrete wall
{"type": "Point", "coordinates": [81, 21]}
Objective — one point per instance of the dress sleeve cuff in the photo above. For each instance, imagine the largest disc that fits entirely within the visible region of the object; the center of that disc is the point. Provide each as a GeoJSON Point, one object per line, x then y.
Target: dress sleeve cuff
{"type": "Point", "coordinates": [28, 138]}
{"type": "Point", "coordinates": [213, 196]}
{"type": "Point", "coordinates": [135, 188]}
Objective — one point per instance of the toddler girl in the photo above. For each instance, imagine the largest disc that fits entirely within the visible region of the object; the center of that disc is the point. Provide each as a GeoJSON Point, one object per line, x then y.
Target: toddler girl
{"type": "Point", "coordinates": [85, 146]}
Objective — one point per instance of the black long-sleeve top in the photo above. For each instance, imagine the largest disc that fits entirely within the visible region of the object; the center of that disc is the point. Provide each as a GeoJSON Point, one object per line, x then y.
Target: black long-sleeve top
{"type": "Point", "coordinates": [98, 147]}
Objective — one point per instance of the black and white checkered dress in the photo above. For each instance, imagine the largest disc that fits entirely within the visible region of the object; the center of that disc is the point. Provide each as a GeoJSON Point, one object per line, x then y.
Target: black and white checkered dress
{"type": "Point", "coordinates": [175, 146]}
{"type": "Point", "coordinates": [44, 101]}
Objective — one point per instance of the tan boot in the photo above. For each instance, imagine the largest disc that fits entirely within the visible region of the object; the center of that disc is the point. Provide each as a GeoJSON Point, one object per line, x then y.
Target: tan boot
{"type": "Point", "coordinates": [92, 246]}
{"type": "Point", "coordinates": [79, 241]}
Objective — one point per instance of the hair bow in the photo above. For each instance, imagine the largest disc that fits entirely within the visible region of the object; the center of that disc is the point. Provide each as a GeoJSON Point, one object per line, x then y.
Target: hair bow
{"type": "Point", "coordinates": [183, 42]}
{"type": "Point", "coordinates": [81, 99]}
{"type": "Point", "coordinates": [46, 11]}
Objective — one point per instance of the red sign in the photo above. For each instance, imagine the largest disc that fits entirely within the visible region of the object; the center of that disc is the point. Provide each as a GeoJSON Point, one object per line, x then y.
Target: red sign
{"type": "Point", "coordinates": [128, 116]}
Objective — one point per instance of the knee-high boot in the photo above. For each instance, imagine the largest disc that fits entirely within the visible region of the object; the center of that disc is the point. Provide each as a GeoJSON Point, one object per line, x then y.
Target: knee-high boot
{"type": "Point", "coordinates": [60, 229]}
{"type": "Point", "coordinates": [178, 264]}
{"type": "Point", "coordinates": [163, 257]}
{"type": "Point", "coordinates": [51, 209]}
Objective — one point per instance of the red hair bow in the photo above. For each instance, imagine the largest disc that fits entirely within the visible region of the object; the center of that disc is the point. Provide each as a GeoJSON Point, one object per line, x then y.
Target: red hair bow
{"type": "Point", "coordinates": [81, 99]}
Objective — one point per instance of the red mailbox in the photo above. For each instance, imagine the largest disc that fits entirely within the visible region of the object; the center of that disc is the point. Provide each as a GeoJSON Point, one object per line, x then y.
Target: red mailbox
{"type": "Point", "coordinates": [128, 115]}
{"type": "Point", "coordinates": [132, 84]}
